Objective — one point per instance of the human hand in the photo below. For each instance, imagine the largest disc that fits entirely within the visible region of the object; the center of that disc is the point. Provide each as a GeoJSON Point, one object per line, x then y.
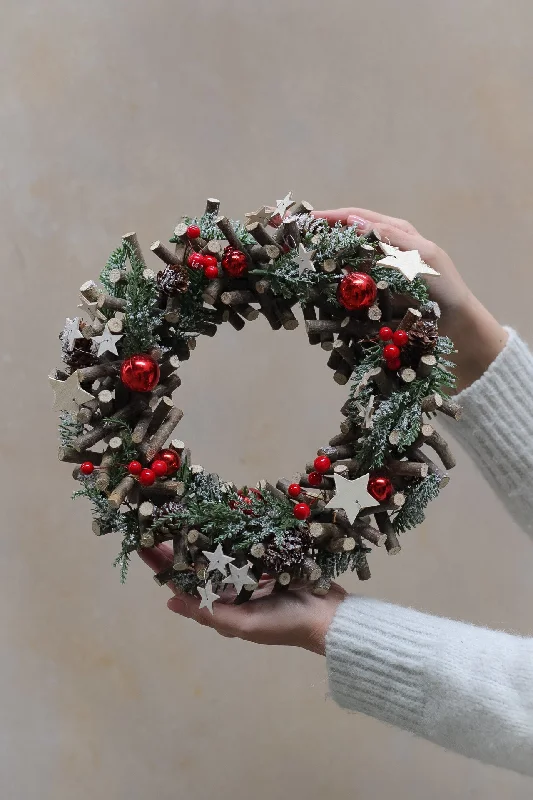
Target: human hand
{"type": "Point", "coordinates": [292, 617]}
{"type": "Point", "coordinates": [477, 335]}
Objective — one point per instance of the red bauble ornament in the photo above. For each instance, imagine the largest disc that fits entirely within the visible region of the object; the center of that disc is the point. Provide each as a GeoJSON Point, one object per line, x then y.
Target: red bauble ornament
{"type": "Point", "coordinates": [147, 477]}
{"type": "Point", "coordinates": [87, 468]}
{"type": "Point", "coordinates": [394, 364]}
{"type": "Point", "coordinates": [301, 511]}
{"type": "Point", "coordinates": [294, 490]}
{"type": "Point", "coordinates": [140, 373]}
{"type": "Point", "coordinates": [234, 262]}
{"type": "Point", "coordinates": [380, 487]}
{"type": "Point", "coordinates": [321, 464]}
{"type": "Point", "coordinates": [159, 467]}
{"type": "Point", "coordinates": [385, 334]}
{"type": "Point", "coordinates": [315, 478]}
{"type": "Point", "coordinates": [357, 290]}
{"type": "Point", "coordinates": [211, 271]}
{"type": "Point", "coordinates": [193, 231]}
{"type": "Point", "coordinates": [390, 352]}
{"type": "Point", "coordinates": [400, 338]}
{"type": "Point", "coordinates": [195, 260]}
{"type": "Point", "coordinates": [171, 459]}
{"type": "Point", "coordinates": [135, 467]}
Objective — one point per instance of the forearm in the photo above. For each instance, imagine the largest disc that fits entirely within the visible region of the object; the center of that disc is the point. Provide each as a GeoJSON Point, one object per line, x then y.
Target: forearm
{"type": "Point", "coordinates": [468, 689]}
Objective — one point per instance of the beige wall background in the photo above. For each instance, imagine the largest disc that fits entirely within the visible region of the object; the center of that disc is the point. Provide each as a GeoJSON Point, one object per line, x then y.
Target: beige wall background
{"type": "Point", "coordinates": [122, 115]}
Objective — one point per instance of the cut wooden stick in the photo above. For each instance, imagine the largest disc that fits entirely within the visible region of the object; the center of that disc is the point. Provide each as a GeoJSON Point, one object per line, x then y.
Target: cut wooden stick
{"type": "Point", "coordinates": [118, 495]}
{"type": "Point", "coordinates": [131, 239]}
{"type": "Point", "coordinates": [392, 545]}
{"type": "Point", "coordinates": [155, 444]}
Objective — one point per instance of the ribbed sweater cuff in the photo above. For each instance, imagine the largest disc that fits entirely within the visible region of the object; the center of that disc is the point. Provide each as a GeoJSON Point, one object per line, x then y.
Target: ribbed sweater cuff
{"type": "Point", "coordinates": [377, 657]}
{"type": "Point", "coordinates": [496, 422]}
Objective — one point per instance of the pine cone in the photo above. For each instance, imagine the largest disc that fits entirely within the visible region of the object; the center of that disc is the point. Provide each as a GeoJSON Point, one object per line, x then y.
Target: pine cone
{"type": "Point", "coordinates": [173, 280]}
{"type": "Point", "coordinates": [166, 510]}
{"type": "Point", "coordinates": [290, 553]}
{"type": "Point", "coordinates": [81, 355]}
{"type": "Point", "coordinates": [423, 337]}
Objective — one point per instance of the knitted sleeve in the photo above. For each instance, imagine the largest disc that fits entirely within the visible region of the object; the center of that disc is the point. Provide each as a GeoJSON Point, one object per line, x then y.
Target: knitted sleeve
{"type": "Point", "coordinates": [466, 688]}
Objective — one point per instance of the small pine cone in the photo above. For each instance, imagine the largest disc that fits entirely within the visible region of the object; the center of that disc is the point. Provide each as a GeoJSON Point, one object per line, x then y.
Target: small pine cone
{"type": "Point", "coordinates": [81, 355]}
{"type": "Point", "coordinates": [173, 280]}
{"type": "Point", "coordinates": [423, 337]}
{"type": "Point", "coordinates": [169, 509]}
{"type": "Point", "coordinates": [290, 553]}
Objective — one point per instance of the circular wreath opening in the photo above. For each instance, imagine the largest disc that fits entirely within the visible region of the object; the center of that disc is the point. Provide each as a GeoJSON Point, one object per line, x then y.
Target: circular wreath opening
{"type": "Point", "coordinates": [120, 379]}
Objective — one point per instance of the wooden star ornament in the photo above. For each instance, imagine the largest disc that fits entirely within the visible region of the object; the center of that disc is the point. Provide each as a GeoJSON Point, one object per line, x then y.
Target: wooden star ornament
{"type": "Point", "coordinates": [408, 262]}
{"type": "Point", "coordinates": [240, 577]}
{"type": "Point", "coordinates": [107, 342]}
{"type": "Point", "coordinates": [351, 496]}
{"type": "Point", "coordinates": [69, 395]}
{"type": "Point", "coordinates": [71, 332]}
{"type": "Point", "coordinates": [262, 215]}
{"type": "Point", "coordinates": [304, 260]}
{"type": "Point", "coordinates": [207, 597]}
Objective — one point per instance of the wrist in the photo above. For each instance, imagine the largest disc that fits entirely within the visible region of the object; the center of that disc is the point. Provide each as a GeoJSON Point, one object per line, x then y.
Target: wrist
{"type": "Point", "coordinates": [478, 337]}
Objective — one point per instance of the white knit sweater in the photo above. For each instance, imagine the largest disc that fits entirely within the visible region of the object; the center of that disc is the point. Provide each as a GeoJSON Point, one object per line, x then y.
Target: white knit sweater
{"type": "Point", "coordinates": [466, 688]}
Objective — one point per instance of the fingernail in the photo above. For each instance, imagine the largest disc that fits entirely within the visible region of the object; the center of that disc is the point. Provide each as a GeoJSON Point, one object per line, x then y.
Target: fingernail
{"type": "Point", "coordinates": [358, 222]}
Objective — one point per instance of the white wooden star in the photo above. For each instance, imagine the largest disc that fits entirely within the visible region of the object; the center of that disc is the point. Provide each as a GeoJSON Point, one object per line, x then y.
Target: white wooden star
{"type": "Point", "coordinates": [207, 596]}
{"type": "Point", "coordinates": [107, 342]}
{"type": "Point", "coordinates": [262, 215]}
{"type": "Point", "coordinates": [351, 496]}
{"type": "Point", "coordinates": [283, 205]}
{"type": "Point", "coordinates": [71, 331]}
{"type": "Point", "coordinates": [87, 306]}
{"type": "Point", "coordinates": [304, 260]}
{"type": "Point", "coordinates": [68, 393]}
{"type": "Point", "coordinates": [217, 560]}
{"type": "Point", "coordinates": [240, 576]}
{"type": "Point", "coordinates": [408, 262]}
{"type": "Point", "coordinates": [366, 411]}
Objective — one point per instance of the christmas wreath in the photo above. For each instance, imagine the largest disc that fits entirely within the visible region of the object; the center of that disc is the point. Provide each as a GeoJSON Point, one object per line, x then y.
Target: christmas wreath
{"type": "Point", "coordinates": [372, 481]}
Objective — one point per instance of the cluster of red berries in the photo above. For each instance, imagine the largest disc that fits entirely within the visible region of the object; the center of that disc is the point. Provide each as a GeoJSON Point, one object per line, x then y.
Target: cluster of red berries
{"type": "Point", "coordinates": [206, 262]}
{"type": "Point", "coordinates": [392, 351]}
{"type": "Point", "coordinates": [166, 463]}
{"type": "Point", "coordinates": [303, 510]}
{"type": "Point", "coordinates": [245, 497]}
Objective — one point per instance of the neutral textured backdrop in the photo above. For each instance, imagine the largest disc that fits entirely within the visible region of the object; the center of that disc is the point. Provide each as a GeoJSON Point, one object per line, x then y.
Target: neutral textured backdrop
{"type": "Point", "coordinates": [122, 115]}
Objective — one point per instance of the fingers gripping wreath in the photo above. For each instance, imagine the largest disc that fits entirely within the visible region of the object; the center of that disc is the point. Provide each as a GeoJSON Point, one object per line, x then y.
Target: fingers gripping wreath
{"type": "Point", "coordinates": [116, 388]}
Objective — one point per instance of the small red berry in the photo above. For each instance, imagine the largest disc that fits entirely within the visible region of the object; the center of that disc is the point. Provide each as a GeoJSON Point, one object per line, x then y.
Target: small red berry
{"type": "Point", "coordinates": [400, 338]}
{"type": "Point", "coordinates": [195, 260]}
{"type": "Point", "coordinates": [193, 231]}
{"type": "Point", "coordinates": [390, 352]}
{"type": "Point", "coordinates": [159, 467]}
{"type": "Point", "coordinates": [301, 511]}
{"type": "Point", "coordinates": [211, 271]}
{"type": "Point", "coordinates": [87, 468]}
{"type": "Point", "coordinates": [135, 468]}
{"type": "Point", "coordinates": [147, 477]}
{"type": "Point", "coordinates": [209, 260]}
{"type": "Point", "coordinates": [294, 490]}
{"type": "Point", "coordinates": [385, 334]}
{"type": "Point", "coordinates": [394, 364]}
{"type": "Point", "coordinates": [315, 478]}
{"type": "Point", "coordinates": [322, 463]}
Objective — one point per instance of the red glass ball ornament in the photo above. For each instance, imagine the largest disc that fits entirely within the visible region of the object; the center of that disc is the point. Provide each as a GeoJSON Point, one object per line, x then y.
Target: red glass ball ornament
{"type": "Point", "coordinates": [357, 290]}
{"type": "Point", "coordinates": [195, 260]}
{"type": "Point", "coordinates": [171, 459]}
{"type": "Point", "coordinates": [159, 467]}
{"type": "Point", "coordinates": [147, 477]}
{"type": "Point", "coordinates": [315, 478]}
{"type": "Point", "coordinates": [385, 334]}
{"type": "Point", "coordinates": [400, 338]}
{"type": "Point", "coordinates": [321, 464]}
{"type": "Point", "coordinates": [140, 373]}
{"type": "Point", "coordinates": [394, 364]}
{"type": "Point", "coordinates": [390, 352]}
{"type": "Point", "coordinates": [301, 511]}
{"type": "Point", "coordinates": [294, 490]}
{"type": "Point", "coordinates": [135, 467]}
{"type": "Point", "coordinates": [211, 271]}
{"type": "Point", "coordinates": [380, 487]}
{"type": "Point", "coordinates": [234, 262]}
{"type": "Point", "coordinates": [87, 468]}
{"type": "Point", "coordinates": [193, 231]}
